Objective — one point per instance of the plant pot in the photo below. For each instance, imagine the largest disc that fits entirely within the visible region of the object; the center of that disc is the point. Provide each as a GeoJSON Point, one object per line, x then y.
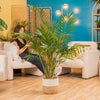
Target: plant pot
{"type": "Point", "coordinates": [50, 86]}
{"type": "Point", "coordinates": [98, 9]}
{"type": "Point", "coordinates": [98, 26]}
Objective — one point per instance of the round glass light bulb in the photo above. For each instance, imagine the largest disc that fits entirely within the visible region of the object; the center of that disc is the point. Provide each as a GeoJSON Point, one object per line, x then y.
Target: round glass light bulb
{"type": "Point", "coordinates": [58, 13]}
{"type": "Point", "coordinates": [76, 10]}
{"type": "Point", "coordinates": [65, 6]}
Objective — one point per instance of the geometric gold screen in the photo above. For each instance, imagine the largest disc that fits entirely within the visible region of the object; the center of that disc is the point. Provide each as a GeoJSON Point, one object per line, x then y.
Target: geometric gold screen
{"type": "Point", "coordinates": [19, 13]}
{"type": "Point", "coordinates": [36, 18]}
{"type": "Point", "coordinates": [48, 15]}
{"type": "Point", "coordinates": [22, 13]}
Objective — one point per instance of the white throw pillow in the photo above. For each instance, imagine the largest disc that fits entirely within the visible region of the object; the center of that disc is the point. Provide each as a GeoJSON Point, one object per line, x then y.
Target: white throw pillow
{"type": "Point", "coordinates": [13, 49]}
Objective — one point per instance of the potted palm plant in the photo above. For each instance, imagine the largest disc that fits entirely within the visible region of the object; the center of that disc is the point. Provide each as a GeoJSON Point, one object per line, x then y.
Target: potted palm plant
{"type": "Point", "coordinates": [3, 26]}
{"type": "Point", "coordinates": [52, 46]}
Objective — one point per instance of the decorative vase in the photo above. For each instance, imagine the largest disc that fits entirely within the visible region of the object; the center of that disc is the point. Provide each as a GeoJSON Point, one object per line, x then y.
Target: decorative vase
{"type": "Point", "coordinates": [50, 85]}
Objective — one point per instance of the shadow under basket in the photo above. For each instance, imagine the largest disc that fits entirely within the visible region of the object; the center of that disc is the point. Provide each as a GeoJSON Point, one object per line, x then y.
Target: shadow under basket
{"type": "Point", "coordinates": [50, 86]}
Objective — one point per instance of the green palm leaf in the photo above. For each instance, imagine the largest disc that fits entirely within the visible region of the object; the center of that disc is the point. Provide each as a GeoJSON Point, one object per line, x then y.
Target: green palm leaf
{"type": "Point", "coordinates": [3, 25]}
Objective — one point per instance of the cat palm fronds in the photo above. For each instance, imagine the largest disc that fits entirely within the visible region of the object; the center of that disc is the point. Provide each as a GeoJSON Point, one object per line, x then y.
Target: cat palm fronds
{"type": "Point", "coordinates": [64, 23]}
{"type": "Point", "coordinates": [50, 43]}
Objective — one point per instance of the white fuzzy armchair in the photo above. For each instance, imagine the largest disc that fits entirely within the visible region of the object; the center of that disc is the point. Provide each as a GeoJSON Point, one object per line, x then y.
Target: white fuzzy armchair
{"type": "Point", "coordinates": [88, 61]}
{"type": "Point", "coordinates": [13, 63]}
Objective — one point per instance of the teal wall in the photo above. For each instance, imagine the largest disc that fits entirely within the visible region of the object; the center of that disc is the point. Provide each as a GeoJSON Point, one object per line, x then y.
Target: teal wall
{"type": "Point", "coordinates": [84, 29]}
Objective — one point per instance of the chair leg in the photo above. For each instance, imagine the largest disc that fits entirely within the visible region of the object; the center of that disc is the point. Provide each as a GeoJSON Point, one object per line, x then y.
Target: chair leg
{"type": "Point", "coordinates": [10, 74]}
{"type": "Point", "coordinates": [65, 70]}
{"type": "Point", "coordinates": [1, 76]}
{"type": "Point", "coordinates": [23, 72]}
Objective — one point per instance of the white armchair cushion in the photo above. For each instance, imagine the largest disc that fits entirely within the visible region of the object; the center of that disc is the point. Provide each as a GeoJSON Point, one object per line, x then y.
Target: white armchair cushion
{"type": "Point", "coordinates": [13, 49]}
{"type": "Point", "coordinates": [75, 63]}
{"type": "Point", "coordinates": [93, 45]}
{"type": "Point", "coordinates": [20, 64]}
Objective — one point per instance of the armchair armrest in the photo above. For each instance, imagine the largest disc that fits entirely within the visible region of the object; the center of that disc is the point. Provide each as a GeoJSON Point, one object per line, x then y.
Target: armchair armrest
{"type": "Point", "coordinates": [91, 60]}
{"type": "Point", "coordinates": [8, 54]}
{"type": "Point", "coordinates": [9, 63]}
{"type": "Point", "coordinates": [3, 67]}
{"type": "Point", "coordinates": [91, 55]}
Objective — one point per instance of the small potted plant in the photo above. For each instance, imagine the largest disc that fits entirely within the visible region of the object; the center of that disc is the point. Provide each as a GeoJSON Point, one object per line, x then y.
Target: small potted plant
{"type": "Point", "coordinates": [98, 23]}
{"type": "Point", "coordinates": [96, 1]}
{"type": "Point", "coordinates": [52, 47]}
